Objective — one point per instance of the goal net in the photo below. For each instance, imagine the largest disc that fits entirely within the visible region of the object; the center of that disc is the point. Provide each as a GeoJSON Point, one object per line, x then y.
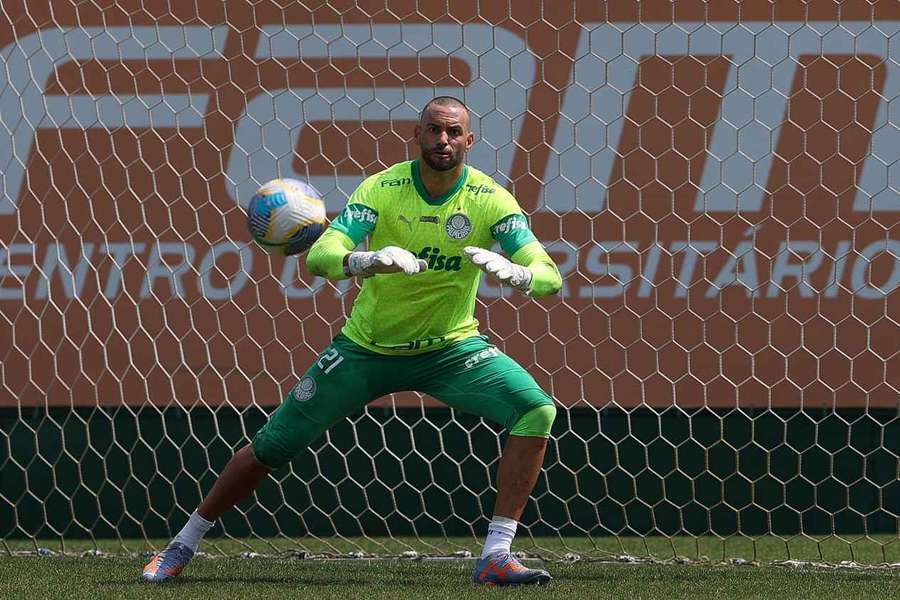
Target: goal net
{"type": "Point", "coordinates": [719, 185]}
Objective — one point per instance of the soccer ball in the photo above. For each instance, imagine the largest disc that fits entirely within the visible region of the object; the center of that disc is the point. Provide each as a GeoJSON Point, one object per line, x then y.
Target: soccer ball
{"type": "Point", "coordinates": [286, 216]}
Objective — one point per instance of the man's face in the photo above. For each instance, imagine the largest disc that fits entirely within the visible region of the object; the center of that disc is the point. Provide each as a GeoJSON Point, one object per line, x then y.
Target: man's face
{"type": "Point", "coordinates": [444, 137]}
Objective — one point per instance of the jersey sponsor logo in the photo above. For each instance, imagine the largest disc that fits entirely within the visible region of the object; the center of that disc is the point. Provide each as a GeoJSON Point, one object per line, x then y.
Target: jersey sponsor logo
{"type": "Point", "coordinates": [363, 214]}
{"type": "Point", "coordinates": [481, 357]}
{"type": "Point", "coordinates": [509, 225]}
{"type": "Point", "coordinates": [395, 182]}
{"type": "Point", "coordinates": [476, 189]}
{"type": "Point", "coordinates": [305, 389]}
{"type": "Point", "coordinates": [438, 261]}
{"type": "Point", "coordinates": [404, 219]}
{"type": "Point", "coordinates": [430, 219]}
{"type": "Point", "coordinates": [458, 226]}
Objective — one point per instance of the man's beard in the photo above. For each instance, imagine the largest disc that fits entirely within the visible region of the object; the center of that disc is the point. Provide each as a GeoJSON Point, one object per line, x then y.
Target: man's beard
{"type": "Point", "coordinates": [452, 163]}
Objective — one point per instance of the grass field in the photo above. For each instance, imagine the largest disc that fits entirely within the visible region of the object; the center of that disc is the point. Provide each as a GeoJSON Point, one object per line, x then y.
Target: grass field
{"type": "Point", "coordinates": [233, 577]}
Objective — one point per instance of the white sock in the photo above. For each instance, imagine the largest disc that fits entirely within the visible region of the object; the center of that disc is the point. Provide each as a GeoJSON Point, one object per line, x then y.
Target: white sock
{"type": "Point", "coordinates": [193, 531]}
{"type": "Point", "coordinates": [500, 535]}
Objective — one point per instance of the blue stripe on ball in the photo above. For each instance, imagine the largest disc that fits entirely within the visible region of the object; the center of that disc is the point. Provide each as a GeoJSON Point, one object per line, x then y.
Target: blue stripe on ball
{"type": "Point", "coordinates": [259, 213]}
{"type": "Point", "coordinates": [304, 238]}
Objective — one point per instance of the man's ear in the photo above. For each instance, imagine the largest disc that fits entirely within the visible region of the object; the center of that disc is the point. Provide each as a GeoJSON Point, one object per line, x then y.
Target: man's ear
{"type": "Point", "coordinates": [470, 140]}
{"type": "Point", "coordinates": [417, 131]}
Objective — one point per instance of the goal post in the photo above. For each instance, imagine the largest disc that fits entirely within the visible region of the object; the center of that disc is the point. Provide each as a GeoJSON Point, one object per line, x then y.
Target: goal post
{"type": "Point", "coordinates": [719, 187]}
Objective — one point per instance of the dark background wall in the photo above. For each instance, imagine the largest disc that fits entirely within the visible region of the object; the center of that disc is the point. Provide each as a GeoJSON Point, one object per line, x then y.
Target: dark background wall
{"type": "Point", "coordinates": [107, 473]}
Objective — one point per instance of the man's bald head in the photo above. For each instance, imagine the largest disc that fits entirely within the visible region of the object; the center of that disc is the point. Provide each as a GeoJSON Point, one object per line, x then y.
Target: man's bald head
{"type": "Point", "coordinates": [446, 102]}
{"type": "Point", "coordinates": [444, 134]}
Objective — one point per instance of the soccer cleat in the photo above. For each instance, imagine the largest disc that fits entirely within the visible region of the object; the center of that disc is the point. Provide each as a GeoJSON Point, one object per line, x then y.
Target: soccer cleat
{"type": "Point", "coordinates": [503, 569]}
{"type": "Point", "coordinates": [168, 563]}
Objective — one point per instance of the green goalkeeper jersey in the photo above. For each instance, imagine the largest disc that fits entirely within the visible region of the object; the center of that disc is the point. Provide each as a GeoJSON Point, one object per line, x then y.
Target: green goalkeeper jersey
{"type": "Point", "coordinates": [401, 314]}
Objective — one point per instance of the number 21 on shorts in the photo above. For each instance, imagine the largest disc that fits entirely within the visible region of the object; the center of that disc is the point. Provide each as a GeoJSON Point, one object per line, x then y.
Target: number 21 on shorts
{"type": "Point", "coordinates": [329, 360]}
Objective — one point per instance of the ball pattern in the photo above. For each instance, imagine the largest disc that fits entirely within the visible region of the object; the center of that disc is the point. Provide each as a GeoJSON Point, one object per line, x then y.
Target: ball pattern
{"type": "Point", "coordinates": [286, 216]}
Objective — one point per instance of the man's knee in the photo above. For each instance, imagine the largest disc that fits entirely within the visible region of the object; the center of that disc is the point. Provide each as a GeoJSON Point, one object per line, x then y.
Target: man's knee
{"type": "Point", "coordinates": [285, 435]}
{"type": "Point", "coordinates": [252, 451]}
{"type": "Point", "coordinates": [537, 422]}
{"type": "Point", "coordinates": [269, 451]}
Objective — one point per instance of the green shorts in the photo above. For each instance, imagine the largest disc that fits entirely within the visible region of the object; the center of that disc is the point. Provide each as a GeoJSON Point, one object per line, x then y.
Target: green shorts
{"type": "Point", "coordinates": [470, 375]}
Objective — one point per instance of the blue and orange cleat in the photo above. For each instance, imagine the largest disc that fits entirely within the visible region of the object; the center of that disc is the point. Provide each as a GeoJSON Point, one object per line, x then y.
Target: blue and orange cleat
{"type": "Point", "coordinates": [168, 563]}
{"type": "Point", "coordinates": [502, 569]}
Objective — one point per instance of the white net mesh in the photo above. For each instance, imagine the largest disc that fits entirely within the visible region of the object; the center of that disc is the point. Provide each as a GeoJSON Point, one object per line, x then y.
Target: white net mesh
{"type": "Point", "coordinates": [720, 191]}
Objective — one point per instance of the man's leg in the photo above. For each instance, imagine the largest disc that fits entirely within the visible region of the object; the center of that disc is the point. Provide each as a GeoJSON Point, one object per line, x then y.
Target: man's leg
{"type": "Point", "coordinates": [476, 377]}
{"type": "Point", "coordinates": [517, 474]}
{"type": "Point", "coordinates": [241, 476]}
{"type": "Point", "coordinates": [335, 386]}
{"type": "Point", "coordinates": [519, 468]}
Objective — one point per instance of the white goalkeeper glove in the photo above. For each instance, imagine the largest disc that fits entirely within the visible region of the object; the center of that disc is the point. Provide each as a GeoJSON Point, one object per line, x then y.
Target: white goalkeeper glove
{"type": "Point", "coordinates": [500, 268]}
{"type": "Point", "coordinates": [389, 259]}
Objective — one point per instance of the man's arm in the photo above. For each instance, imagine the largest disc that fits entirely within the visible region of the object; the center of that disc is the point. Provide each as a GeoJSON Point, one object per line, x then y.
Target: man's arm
{"type": "Point", "coordinates": [332, 255]}
{"type": "Point", "coordinates": [328, 256]}
{"type": "Point", "coordinates": [531, 270]}
{"type": "Point", "coordinates": [545, 277]}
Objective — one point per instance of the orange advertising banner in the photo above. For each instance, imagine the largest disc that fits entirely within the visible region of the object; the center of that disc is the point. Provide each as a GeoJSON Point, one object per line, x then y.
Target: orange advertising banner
{"type": "Point", "coordinates": [720, 189]}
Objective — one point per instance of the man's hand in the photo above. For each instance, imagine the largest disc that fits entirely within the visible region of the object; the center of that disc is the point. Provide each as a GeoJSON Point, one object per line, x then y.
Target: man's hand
{"type": "Point", "coordinates": [500, 268]}
{"type": "Point", "coordinates": [389, 259]}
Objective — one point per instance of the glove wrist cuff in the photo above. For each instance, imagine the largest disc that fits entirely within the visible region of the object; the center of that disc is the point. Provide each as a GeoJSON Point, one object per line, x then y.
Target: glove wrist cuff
{"type": "Point", "coordinates": [528, 277]}
{"type": "Point", "coordinates": [356, 264]}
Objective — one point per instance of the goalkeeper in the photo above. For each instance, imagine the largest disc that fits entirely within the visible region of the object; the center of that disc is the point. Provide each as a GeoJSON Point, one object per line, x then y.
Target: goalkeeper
{"type": "Point", "coordinates": [412, 327]}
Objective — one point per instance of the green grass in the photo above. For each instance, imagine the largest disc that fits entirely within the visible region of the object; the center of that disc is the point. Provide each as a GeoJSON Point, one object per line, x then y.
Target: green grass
{"type": "Point", "coordinates": [72, 578]}
{"type": "Point", "coordinates": [861, 549]}
{"type": "Point", "coordinates": [709, 573]}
